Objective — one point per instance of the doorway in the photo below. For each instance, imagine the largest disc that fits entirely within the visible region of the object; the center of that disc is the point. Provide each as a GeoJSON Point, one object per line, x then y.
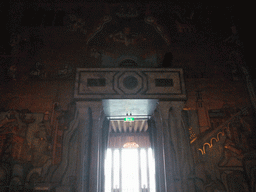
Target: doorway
{"type": "Point", "coordinates": [129, 160]}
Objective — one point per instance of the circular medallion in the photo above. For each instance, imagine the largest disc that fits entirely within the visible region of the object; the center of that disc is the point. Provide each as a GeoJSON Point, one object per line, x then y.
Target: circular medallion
{"type": "Point", "coordinates": [130, 82]}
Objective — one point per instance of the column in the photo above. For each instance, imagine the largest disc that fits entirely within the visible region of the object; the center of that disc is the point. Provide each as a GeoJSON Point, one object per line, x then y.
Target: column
{"type": "Point", "coordinates": [177, 152]}
{"type": "Point", "coordinates": [91, 115]}
{"type": "Point", "coordinates": [181, 143]}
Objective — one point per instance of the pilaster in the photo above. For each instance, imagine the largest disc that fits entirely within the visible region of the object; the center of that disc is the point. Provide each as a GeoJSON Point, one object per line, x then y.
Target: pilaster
{"type": "Point", "coordinates": [91, 116]}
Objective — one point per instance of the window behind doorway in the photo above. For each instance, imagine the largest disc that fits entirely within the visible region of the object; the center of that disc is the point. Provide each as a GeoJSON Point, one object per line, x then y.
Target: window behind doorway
{"type": "Point", "coordinates": [129, 162]}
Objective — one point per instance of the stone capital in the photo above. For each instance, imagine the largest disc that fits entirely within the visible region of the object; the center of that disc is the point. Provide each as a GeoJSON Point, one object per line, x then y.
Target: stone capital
{"type": "Point", "coordinates": [95, 106]}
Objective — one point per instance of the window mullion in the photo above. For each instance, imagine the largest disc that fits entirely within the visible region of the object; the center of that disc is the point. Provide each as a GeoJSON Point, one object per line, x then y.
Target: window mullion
{"type": "Point", "coordinates": [112, 170]}
{"type": "Point", "coordinates": [139, 170]}
{"type": "Point", "coordinates": [147, 162]}
{"type": "Point", "coordinates": [120, 169]}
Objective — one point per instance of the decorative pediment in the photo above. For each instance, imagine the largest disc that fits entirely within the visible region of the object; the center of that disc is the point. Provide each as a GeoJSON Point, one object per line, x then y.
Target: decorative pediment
{"type": "Point", "coordinates": [133, 31]}
{"type": "Point", "coordinates": [116, 39]}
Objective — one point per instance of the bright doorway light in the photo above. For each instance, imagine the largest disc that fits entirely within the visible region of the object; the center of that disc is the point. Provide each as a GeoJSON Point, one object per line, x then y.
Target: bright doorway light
{"type": "Point", "coordinates": [129, 170]}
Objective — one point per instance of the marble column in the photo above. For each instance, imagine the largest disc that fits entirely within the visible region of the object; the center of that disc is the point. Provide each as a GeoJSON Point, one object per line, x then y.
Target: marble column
{"type": "Point", "coordinates": [163, 151]}
{"type": "Point", "coordinates": [89, 165]}
{"type": "Point", "coordinates": [177, 156]}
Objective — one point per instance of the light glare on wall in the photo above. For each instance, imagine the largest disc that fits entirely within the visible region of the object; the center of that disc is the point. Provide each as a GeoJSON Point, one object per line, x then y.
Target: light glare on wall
{"type": "Point", "coordinates": [130, 145]}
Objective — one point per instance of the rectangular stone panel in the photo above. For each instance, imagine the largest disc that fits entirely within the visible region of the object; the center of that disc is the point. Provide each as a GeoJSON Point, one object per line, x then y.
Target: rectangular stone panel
{"type": "Point", "coordinates": [163, 82]}
{"type": "Point", "coordinates": [98, 82]}
{"type": "Point", "coordinates": [155, 87]}
{"type": "Point", "coordinates": [95, 83]}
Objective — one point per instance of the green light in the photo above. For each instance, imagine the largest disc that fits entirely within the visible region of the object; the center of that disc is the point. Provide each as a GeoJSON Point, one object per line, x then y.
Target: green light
{"type": "Point", "coordinates": [128, 119]}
